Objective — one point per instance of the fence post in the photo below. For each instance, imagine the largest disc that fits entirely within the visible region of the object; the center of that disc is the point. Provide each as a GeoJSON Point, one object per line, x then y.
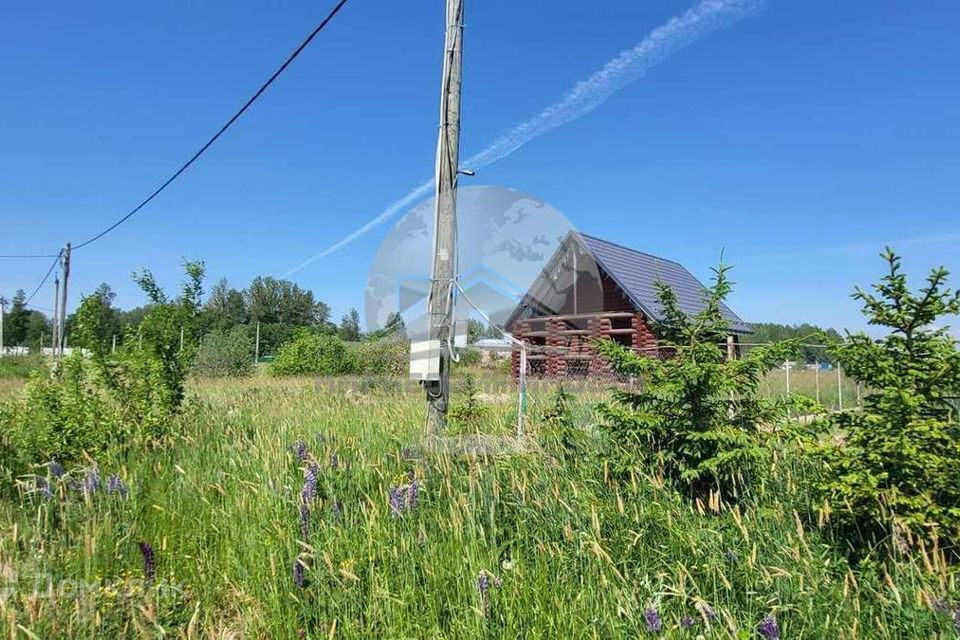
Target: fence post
{"type": "Point", "coordinates": [522, 383]}
{"type": "Point", "coordinates": [256, 348]}
{"type": "Point", "coordinates": [840, 386]}
{"type": "Point", "coordinates": [816, 379]}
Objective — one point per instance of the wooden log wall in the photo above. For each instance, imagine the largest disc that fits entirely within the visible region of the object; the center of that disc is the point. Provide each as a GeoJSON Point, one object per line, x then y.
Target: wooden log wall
{"type": "Point", "coordinates": [568, 348]}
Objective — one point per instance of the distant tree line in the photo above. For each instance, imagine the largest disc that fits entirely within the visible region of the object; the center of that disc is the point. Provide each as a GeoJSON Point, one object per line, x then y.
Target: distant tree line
{"type": "Point", "coordinates": [282, 308]}
{"type": "Point", "coordinates": [808, 334]}
{"type": "Point", "coordinates": [22, 326]}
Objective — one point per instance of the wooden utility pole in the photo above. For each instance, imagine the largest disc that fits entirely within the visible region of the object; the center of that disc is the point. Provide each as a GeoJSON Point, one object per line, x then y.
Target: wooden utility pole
{"type": "Point", "coordinates": [2, 311]}
{"type": "Point", "coordinates": [442, 287]}
{"type": "Point", "coordinates": [256, 347]}
{"type": "Point", "coordinates": [63, 298]}
{"type": "Point", "coordinates": [55, 336]}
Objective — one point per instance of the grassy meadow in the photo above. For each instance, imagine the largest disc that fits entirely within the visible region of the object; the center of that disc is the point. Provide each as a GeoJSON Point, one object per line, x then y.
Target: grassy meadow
{"type": "Point", "coordinates": [518, 544]}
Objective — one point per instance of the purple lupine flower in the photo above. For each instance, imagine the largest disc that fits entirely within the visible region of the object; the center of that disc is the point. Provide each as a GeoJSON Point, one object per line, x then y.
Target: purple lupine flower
{"type": "Point", "coordinates": [309, 491]}
{"type": "Point", "coordinates": [334, 461]}
{"type": "Point", "coordinates": [768, 628]}
{"type": "Point", "coordinates": [687, 621]}
{"type": "Point", "coordinates": [149, 563]}
{"type": "Point", "coordinates": [115, 485]}
{"type": "Point", "coordinates": [300, 450]}
{"type": "Point", "coordinates": [298, 575]}
{"type": "Point", "coordinates": [91, 481]}
{"type": "Point", "coordinates": [56, 469]}
{"type": "Point", "coordinates": [709, 612]}
{"type": "Point", "coordinates": [652, 619]}
{"type": "Point", "coordinates": [483, 583]}
{"type": "Point", "coordinates": [397, 498]}
{"type": "Point", "coordinates": [304, 521]}
{"type": "Point", "coordinates": [412, 494]}
{"type": "Point", "coordinates": [43, 487]}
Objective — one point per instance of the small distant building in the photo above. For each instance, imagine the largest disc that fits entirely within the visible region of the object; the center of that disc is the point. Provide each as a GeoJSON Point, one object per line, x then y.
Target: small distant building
{"type": "Point", "coordinates": [593, 289]}
{"type": "Point", "coordinates": [492, 349]}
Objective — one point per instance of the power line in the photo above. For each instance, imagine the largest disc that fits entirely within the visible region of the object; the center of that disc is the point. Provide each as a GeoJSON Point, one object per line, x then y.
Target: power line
{"type": "Point", "coordinates": [233, 119]}
{"type": "Point", "coordinates": [10, 256]}
{"type": "Point", "coordinates": [39, 308]}
{"type": "Point", "coordinates": [56, 260]}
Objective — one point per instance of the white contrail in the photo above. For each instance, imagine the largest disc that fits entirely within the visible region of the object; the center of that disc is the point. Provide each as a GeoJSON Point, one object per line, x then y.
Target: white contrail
{"type": "Point", "coordinates": [586, 95]}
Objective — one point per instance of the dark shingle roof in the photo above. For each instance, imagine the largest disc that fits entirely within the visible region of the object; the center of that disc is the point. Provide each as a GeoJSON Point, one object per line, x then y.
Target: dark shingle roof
{"type": "Point", "coordinates": [636, 273]}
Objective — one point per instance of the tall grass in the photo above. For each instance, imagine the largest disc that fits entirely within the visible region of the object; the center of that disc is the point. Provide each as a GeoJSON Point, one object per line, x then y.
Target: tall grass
{"type": "Point", "coordinates": [567, 553]}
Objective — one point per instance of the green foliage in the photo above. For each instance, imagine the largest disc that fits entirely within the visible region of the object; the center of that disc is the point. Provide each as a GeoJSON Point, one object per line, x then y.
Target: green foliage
{"type": "Point", "coordinates": [225, 353]}
{"type": "Point", "coordinates": [224, 309]}
{"type": "Point", "coordinates": [394, 327]}
{"type": "Point", "coordinates": [58, 418]}
{"type": "Point", "coordinates": [349, 330]}
{"type": "Point", "coordinates": [806, 334]}
{"type": "Point", "coordinates": [560, 434]}
{"type": "Point", "coordinates": [20, 366]}
{"type": "Point", "coordinates": [311, 353]}
{"type": "Point", "coordinates": [269, 300]}
{"type": "Point", "coordinates": [78, 413]}
{"type": "Point", "coordinates": [895, 462]}
{"type": "Point", "coordinates": [468, 413]}
{"type": "Point", "coordinates": [96, 322]}
{"type": "Point", "coordinates": [467, 358]}
{"type": "Point", "coordinates": [22, 326]}
{"type": "Point", "coordinates": [113, 401]}
{"type": "Point", "coordinates": [169, 332]}
{"type": "Point", "coordinates": [386, 357]}
{"type": "Point", "coordinates": [695, 416]}
{"type": "Point", "coordinates": [569, 553]}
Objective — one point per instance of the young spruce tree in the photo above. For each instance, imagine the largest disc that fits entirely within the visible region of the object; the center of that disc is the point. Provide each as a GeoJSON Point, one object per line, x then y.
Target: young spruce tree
{"type": "Point", "coordinates": [897, 461]}
{"type": "Point", "coordinates": [695, 416]}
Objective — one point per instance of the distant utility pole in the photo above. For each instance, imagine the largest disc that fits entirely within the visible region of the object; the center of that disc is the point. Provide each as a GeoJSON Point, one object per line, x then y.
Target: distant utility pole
{"type": "Point", "coordinates": [2, 311]}
{"type": "Point", "coordinates": [54, 336]}
{"type": "Point", "coordinates": [440, 305]}
{"type": "Point", "coordinates": [63, 299]}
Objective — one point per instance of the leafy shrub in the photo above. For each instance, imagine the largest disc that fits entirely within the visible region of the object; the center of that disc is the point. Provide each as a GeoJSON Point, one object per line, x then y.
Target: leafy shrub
{"type": "Point", "coordinates": [168, 334]}
{"type": "Point", "coordinates": [696, 416]}
{"type": "Point", "coordinates": [273, 335]}
{"type": "Point", "coordinates": [895, 462]}
{"type": "Point", "coordinates": [113, 401]}
{"type": "Point", "coordinates": [225, 354]}
{"type": "Point", "coordinates": [386, 357]}
{"type": "Point", "coordinates": [311, 353]}
{"type": "Point", "coordinates": [58, 418]}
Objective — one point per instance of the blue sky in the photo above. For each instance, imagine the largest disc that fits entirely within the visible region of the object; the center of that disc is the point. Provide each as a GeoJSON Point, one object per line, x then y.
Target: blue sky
{"type": "Point", "coordinates": [797, 140]}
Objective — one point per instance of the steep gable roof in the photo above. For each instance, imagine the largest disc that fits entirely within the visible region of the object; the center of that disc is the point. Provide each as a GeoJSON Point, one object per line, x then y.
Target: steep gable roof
{"type": "Point", "coordinates": [636, 273]}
